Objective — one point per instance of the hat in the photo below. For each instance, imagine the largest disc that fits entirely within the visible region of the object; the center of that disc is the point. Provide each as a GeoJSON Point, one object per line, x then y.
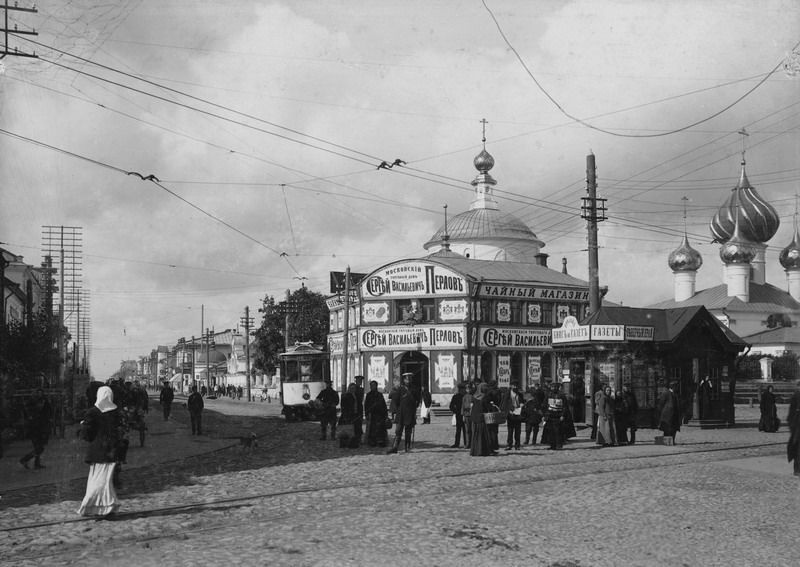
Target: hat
{"type": "Point", "coordinates": [328, 381]}
{"type": "Point", "coordinates": [462, 386]}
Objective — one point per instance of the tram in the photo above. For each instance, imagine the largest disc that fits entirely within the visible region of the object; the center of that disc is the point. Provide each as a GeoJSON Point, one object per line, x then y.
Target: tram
{"type": "Point", "coordinates": [304, 370]}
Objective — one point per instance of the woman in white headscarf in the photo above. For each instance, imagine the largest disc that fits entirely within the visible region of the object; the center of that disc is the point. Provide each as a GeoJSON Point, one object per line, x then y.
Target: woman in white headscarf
{"type": "Point", "coordinates": [102, 428]}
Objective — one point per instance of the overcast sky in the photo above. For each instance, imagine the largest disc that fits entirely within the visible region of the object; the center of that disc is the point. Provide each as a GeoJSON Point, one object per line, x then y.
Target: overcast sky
{"type": "Point", "coordinates": [264, 123]}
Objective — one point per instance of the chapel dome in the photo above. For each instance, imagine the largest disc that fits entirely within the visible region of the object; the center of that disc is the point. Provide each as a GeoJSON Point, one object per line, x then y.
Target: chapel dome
{"type": "Point", "coordinates": [758, 220]}
{"type": "Point", "coordinates": [790, 256]}
{"type": "Point", "coordinates": [738, 249]}
{"type": "Point", "coordinates": [685, 258]}
{"type": "Point", "coordinates": [476, 225]}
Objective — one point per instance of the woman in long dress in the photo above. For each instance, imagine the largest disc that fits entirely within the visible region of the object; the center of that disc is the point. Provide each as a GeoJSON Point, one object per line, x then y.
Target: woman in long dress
{"type": "Point", "coordinates": [606, 430]}
{"type": "Point", "coordinates": [480, 443]}
{"type": "Point", "coordinates": [769, 412]}
{"type": "Point", "coordinates": [102, 428]}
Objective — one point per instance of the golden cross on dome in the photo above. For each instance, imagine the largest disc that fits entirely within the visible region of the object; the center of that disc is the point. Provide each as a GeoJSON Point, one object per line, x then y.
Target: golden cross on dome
{"type": "Point", "coordinates": [744, 135]}
{"type": "Point", "coordinates": [484, 122]}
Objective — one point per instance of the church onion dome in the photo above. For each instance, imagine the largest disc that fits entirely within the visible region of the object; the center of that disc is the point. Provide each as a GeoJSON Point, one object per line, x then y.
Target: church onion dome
{"type": "Point", "coordinates": [478, 225]}
{"type": "Point", "coordinates": [790, 256]}
{"type": "Point", "coordinates": [483, 161]}
{"type": "Point", "coordinates": [738, 249]}
{"type": "Point", "coordinates": [758, 220]}
{"type": "Point", "coordinates": [685, 258]}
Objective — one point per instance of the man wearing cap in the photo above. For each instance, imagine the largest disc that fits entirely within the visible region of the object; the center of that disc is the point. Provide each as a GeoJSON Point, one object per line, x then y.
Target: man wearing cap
{"type": "Point", "coordinates": [329, 400]}
{"type": "Point", "coordinates": [406, 414]}
{"type": "Point", "coordinates": [511, 405]}
{"type": "Point", "coordinates": [456, 406]}
{"type": "Point", "coordinates": [669, 411]}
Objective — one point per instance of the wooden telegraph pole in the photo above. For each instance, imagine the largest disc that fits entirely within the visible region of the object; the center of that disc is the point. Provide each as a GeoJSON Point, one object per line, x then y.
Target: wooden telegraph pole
{"type": "Point", "coordinates": [247, 322]}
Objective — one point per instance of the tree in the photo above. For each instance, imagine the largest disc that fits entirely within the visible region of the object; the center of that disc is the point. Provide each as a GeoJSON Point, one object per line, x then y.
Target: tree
{"type": "Point", "coordinates": [308, 321]}
{"type": "Point", "coordinates": [30, 350]}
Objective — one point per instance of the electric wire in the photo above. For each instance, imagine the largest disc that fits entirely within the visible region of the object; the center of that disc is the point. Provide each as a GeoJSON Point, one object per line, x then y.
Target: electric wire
{"type": "Point", "coordinates": [620, 134]}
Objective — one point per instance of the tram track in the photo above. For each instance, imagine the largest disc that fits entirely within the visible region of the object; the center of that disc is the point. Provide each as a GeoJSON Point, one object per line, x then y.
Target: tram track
{"type": "Point", "coordinates": [560, 470]}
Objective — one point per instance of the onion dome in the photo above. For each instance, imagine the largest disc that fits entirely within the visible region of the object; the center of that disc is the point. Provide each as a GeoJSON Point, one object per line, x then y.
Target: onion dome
{"type": "Point", "coordinates": [685, 258]}
{"type": "Point", "coordinates": [758, 220]}
{"type": "Point", "coordinates": [738, 249]}
{"type": "Point", "coordinates": [790, 256]}
{"type": "Point", "coordinates": [483, 161]}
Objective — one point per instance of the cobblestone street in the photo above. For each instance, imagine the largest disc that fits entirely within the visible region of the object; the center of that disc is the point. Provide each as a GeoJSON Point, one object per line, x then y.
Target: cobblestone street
{"type": "Point", "coordinates": [719, 497]}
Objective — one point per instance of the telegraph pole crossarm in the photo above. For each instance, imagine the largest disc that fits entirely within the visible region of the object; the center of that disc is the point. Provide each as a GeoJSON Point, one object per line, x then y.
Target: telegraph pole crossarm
{"type": "Point", "coordinates": [6, 30]}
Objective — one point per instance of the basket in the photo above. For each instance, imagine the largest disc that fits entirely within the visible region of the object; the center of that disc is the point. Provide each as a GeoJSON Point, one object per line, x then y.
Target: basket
{"type": "Point", "coordinates": [494, 417]}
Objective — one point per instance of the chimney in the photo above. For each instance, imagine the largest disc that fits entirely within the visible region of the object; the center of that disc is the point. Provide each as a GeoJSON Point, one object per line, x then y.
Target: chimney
{"type": "Point", "coordinates": [563, 265]}
{"type": "Point", "coordinates": [541, 259]}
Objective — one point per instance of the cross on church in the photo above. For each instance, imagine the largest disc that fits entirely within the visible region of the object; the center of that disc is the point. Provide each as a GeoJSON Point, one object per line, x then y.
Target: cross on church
{"type": "Point", "coordinates": [484, 122]}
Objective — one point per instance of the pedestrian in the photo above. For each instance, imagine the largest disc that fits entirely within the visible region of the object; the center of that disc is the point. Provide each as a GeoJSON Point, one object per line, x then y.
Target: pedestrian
{"type": "Point", "coordinates": [203, 391]}
{"type": "Point", "coordinates": [606, 429]}
{"type": "Point", "coordinates": [793, 421]}
{"type": "Point", "coordinates": [704, 391]}
{"type": "Point", "coordinates": [495, 397]}
{"type": "Point", "coordinates": [553, 432]}
{"type": "Point", "coordinates": [511, 405]}
{"type": "Point", "coordinates": [102, 428]}
{"type": "Point", "coordinates": [769, 421]}
{"type": "Point", "coordinates": [165, 399]}
{"type": "Point", "coordinates": [532, 415]}
{"type": "Point", "coordinates": [406, 416]}
{"type": "Point", "coordinates": [329, 400]}
{"type": "Point", "coordinates": [347, 419]}
{"type": "Point", "coordinates": [632, 410]}
{"type": "Point", "coordinates": [668, 410]}
{"type": "Point", "coordinates": [358, 424]}
{"type": "Point", "coordinates": [376, 414]}
{"type": "Point", "coordinates": [425, 409]}
{"type": "Point", "coordinates": [456, 407]}
{"type": "Point", "coordinates": [195, 405]}
{"type": "Point", "coordinates": [38, 420]}
{"type": "Point", "coordinates": [481, 443]}
{"type": "Point", "coordinates": [466, 411]}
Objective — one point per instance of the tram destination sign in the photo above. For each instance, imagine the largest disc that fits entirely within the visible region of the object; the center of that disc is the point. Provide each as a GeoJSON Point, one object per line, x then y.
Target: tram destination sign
{"type": "Point", "coordinates": [416, 337]}
{"type": "Point", "coordinates": [414, 279]}
{"type": "Point", "coordinates": [533, 292]}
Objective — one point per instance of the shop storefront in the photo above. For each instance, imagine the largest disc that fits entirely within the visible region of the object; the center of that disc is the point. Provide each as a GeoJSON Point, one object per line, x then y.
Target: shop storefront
{"type": "Point", "coordinates": [450, 319]}
{"type": "Point", "coordinates": [646, 350]}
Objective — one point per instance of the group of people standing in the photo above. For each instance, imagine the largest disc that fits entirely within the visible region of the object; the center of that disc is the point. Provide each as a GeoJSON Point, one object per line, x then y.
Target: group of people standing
{"type": "Point", "coordinates": [616, 416]}
{"type": "Point", "coordinates": [479, 408]}
{"type": "Point", "coordinates": [358, 410]}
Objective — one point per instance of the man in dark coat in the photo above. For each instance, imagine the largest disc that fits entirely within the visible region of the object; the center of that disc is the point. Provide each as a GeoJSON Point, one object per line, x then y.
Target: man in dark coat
{"type": "Point", "coordinates": [406, 415]}
{"type": "Point", "coordinates": [456, 407]}
{"type": "Point", "coordinates": [195, 405]}
{"type": "Point", "coordinates": [793, 421]}
{"type": "Point", "coordinates": [38, 417]}
{"type": "Point", "coordinates": [329, 400]}
{"type": "Point", "coordinates": [669, 412]}
{"type": "Point", "coordinates": [376, 414]}
{"type": "Point", "coordinates": [358, 424]}
{"type": "Point", "coordinates": [165, 399]}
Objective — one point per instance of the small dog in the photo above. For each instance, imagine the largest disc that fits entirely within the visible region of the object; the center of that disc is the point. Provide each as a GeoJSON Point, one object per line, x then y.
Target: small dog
{"type": "Point", "coordinates": [249, 442]}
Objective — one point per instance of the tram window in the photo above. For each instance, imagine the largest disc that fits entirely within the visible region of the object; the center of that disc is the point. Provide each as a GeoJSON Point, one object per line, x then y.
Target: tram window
{"type": "Point", "coordinates": [292, 374]}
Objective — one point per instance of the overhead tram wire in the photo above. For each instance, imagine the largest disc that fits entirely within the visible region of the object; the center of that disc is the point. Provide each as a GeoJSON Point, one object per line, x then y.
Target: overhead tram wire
{"type": "Point", "coordinates": [153, 180]}
{"type": "Point", "coordinates": [199, 99]}
{"type": "Point", "coordinates": [620, 134]}
{"type": "Point", "coordinates": [176, 91]}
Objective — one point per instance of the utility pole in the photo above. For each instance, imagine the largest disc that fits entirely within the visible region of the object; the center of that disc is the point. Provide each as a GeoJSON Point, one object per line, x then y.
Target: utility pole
{"type": "Point", "coordinates": [246, 320]}
{"type": "Point", "coordinates": [16, 31]}
{"type": "Point", "coordinates": [346, 327]}
{"type": "Point", "coordinates": [593, 212]}
{"type": "Point", "coordinates": [286, 324]}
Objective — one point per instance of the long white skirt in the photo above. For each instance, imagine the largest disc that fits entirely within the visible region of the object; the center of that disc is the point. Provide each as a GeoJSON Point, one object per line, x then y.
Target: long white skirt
{"type": "Point", "coordinates": [101, 498]}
